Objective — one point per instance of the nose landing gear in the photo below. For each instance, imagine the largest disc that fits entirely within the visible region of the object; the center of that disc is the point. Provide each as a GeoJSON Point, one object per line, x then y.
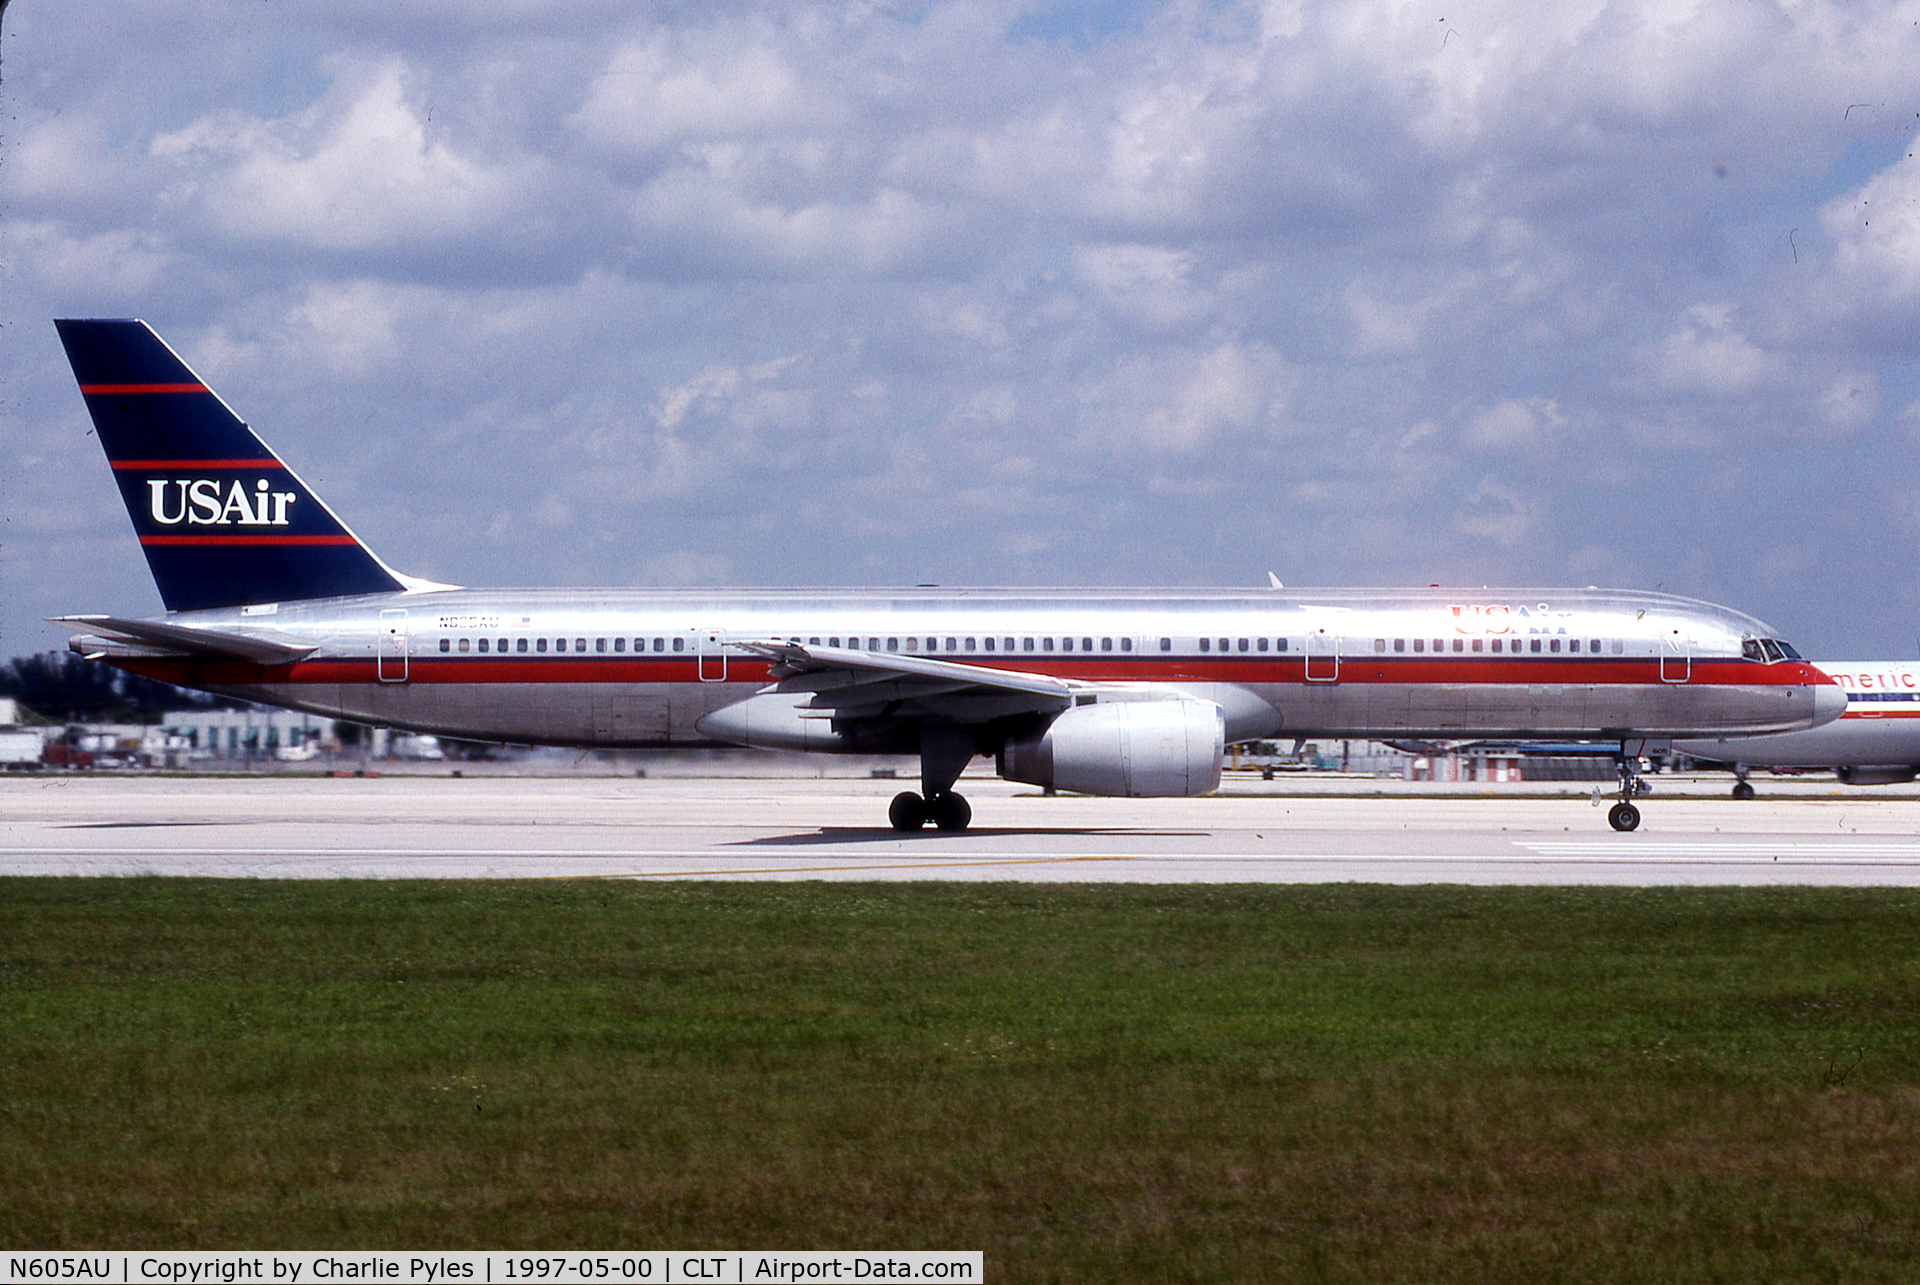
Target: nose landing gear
{"type": "Point", "coordinates": [1624, 816]}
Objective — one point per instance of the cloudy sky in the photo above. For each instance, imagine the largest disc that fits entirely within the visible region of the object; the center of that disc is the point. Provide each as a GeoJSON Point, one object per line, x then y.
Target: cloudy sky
{"type": "Point", "coordinates": [558, 292]}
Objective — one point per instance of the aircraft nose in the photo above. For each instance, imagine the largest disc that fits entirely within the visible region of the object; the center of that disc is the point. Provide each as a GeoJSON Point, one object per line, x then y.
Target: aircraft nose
{"type": "Point", "coordinates": [1829, 702]}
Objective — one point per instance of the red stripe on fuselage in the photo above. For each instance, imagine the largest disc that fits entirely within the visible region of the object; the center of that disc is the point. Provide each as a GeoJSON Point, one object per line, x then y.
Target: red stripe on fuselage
{"type": "Point", "coordinates": [437, 667]}
{"type": "Point", "coordinates": [143, 465]}
{"type": "Point", "coordinates": [100, 389]}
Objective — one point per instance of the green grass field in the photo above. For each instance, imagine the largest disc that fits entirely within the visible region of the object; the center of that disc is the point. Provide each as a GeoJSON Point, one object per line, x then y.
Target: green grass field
{"type": "Point", "coordinates": [1088, 1083]}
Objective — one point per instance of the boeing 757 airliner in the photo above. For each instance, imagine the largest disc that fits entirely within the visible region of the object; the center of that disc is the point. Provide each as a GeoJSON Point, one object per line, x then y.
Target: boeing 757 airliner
{"type": "Point", "coordinates": [1117, 692]}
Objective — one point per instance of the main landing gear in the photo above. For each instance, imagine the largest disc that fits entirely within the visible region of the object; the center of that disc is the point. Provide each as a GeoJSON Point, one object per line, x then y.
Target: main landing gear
{"type": "Point", "coordinates": [945, 751]}
{"type": "Point", "coordinates": [1742, 788]}
{"type": "Point", "coordinates": [949, 811]}
{"type": "Point", "coordinates": [1623, 816]}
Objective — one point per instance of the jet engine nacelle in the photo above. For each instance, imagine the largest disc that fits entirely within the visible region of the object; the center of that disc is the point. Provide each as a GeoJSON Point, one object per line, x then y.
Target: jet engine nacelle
{"type": "Point", "coordinates": [1132, 749]}
{"type": "Point", "coordinates": [1891, 774]}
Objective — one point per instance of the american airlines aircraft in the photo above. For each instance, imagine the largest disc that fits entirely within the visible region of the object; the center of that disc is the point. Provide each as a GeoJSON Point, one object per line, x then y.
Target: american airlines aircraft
{"type": "Point", "coordinates": [1875, 742]}
{"type": "Point", "coordinates": [1118, 692]}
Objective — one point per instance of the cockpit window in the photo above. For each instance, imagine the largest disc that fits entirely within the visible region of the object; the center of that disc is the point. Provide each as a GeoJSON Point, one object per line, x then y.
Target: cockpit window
{"type": "Point", "coordinates": [1773, 649]}
{"type": "Point", "coordinates": [1750, 648]}
{"type": "Point", "coordinates": [1787, 648]}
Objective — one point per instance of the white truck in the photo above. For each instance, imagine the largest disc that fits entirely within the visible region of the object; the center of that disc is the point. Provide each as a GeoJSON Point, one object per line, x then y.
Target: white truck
{"type": "Point", "coordinates": [20, 749]}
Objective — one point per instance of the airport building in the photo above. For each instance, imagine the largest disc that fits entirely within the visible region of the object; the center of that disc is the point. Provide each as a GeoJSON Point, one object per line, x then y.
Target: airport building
{"type": "Point", "coordinates": [246, 734]}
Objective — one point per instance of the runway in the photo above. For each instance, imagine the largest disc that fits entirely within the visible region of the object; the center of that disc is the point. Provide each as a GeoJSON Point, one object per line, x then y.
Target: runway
{"type": "Point", "coordinates": [775, 829]}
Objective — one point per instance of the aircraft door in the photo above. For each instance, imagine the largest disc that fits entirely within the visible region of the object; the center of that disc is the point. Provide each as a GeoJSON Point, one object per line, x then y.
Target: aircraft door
{"type": "Point", "coordinates": [391, 663]}
{"type": "Point", "coordinates": [713, 655]}
{"type": "Point", "coordinates": [1676, 657]}
{"type": "Point", "coordinates": [1323, 657]}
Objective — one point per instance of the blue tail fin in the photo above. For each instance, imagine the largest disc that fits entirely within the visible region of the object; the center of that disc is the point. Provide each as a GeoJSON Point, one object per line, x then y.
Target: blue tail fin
{"type": "Point", "coordinates": [222, 521]}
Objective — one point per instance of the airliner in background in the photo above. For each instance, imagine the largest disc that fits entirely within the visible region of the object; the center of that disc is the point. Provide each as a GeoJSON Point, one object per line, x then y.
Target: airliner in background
{"type": "Point", "coordinates": [1876, 741]}
{"type": "Point", "coordinates": [271, 598]}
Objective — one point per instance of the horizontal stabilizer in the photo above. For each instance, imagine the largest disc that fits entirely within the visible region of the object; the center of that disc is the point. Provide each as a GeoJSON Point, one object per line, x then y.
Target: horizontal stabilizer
{"type": "Point", "coordinates": [189, 640]}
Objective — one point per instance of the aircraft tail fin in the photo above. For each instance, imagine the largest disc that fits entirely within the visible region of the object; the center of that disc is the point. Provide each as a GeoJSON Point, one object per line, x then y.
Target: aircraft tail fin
{"type": "Point", "coordinates": [222, 521]}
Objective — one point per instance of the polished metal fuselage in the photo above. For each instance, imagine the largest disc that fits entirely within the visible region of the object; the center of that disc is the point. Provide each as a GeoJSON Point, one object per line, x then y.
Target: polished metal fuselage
{"type": "Point", "coordinates": [641, 667]}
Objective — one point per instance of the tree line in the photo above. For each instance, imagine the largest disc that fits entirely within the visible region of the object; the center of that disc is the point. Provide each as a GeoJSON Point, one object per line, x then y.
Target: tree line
{"type": "Point", "coordinates": [61, 687]}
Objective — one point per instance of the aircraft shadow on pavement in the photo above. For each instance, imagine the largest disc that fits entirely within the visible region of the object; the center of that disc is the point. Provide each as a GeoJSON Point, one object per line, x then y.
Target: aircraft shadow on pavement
{"type": "Point", "coordinates": [887, 834]}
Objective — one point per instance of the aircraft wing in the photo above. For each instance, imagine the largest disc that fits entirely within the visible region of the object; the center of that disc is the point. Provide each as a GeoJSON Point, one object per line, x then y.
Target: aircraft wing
{"type": "Point", "coordinates": [792, 659]}
{"type": "Point", "coordinates": [187, 640]}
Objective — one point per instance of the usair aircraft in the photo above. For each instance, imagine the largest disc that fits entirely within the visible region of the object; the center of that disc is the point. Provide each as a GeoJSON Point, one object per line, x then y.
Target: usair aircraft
{"type": "Point", "coordinates": [1120, 692]}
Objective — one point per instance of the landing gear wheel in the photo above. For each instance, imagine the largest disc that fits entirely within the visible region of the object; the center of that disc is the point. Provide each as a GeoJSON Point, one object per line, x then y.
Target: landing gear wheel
{"type": "Point", "coordinates": [1623, 817]}
{"type": "Point", "coordinates": [950, 811]}
{"type": "Point", "coordinates": [1742, 790]}
{"type": "Point", "coordinates": [908, 811]}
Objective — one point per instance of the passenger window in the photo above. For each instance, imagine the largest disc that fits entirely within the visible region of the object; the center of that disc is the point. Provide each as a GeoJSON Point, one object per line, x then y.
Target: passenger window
{"type": "Point", "coordinates": [465, 643]}
{"type": "Point", "coordinates": [1477, 643]}
{"type": "Point", "coordinates": [1535, 647]}
{"type": "Point", "coordinates": [1126, 644]}
{"type": "Point", "coordinates": [1166, 644]}
{"type": "Point", "coordinates": [1459, 644]}
{"type": "Point", "coordinates": [483, 645]}
{"type": "Point", "coordinates": [1593, 645]}
{"type": "Point", "coordinates": [1006, 644]}
{"type": "Point", "coordinates": [1026, 644]}
{"type": "Point", "coordinates": [579, 644]}
{"type": "Point", "coordinates": [873, 644]}
{"type": "Point", "coordinates": [1106, 644]}
{"type": "Point", "coordinates": [1263, 644]}
{"type": "Point", "coordinates": [1279, 644]}
{"type": "Point", "coordinates": [679, 644]}
{"type": "Point", "coordinates": [970, 645]}
{"type": "Point", "coordinates": [446, 644]}
{"type": "Point", "coordinates": [1553, 644]}
{"type": "Point", "coordinates": [1573, 644]}
{"type": "Point", "coordinates": [520, 644]}
{"type": "Point", "coordinates": [1399, 644]}
{"type": "Point", "coordinates": [1496, 644]}
{"type": "Point", "coordinates": [1206, 644]}
{"type": "Point", "coordinates": [599, 644]}
{"type": "Point", "coordinates": [1046, 644]}
{"type": "Point", "coordinates": [1243, 645]}
{"type": "Point", "coordinates": [893, 644]}
{"type": "Point", "coordinates": [1086, 644]}
{"type": "Point", "coordinates": [833, 642]}
{"type": "Point", "coordinates": [1439, 644]}
{"type": "Point", "coordinates": [989, 646]}
{"type": "Point", "coordinates": [539, 644]}
{"type": "Point", "coordinates": [659, 644]}
{"type": "Point", "coordinates": [1066, 644]}
{"type": "Point", "coordinates": [1223, 644]}
{"type": "Point", "coordinates": [1379, 644]}
{"type": "Point", "coordinates": [911, 645]}
{"type": "Point", "coordinates": [1419, 644]}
